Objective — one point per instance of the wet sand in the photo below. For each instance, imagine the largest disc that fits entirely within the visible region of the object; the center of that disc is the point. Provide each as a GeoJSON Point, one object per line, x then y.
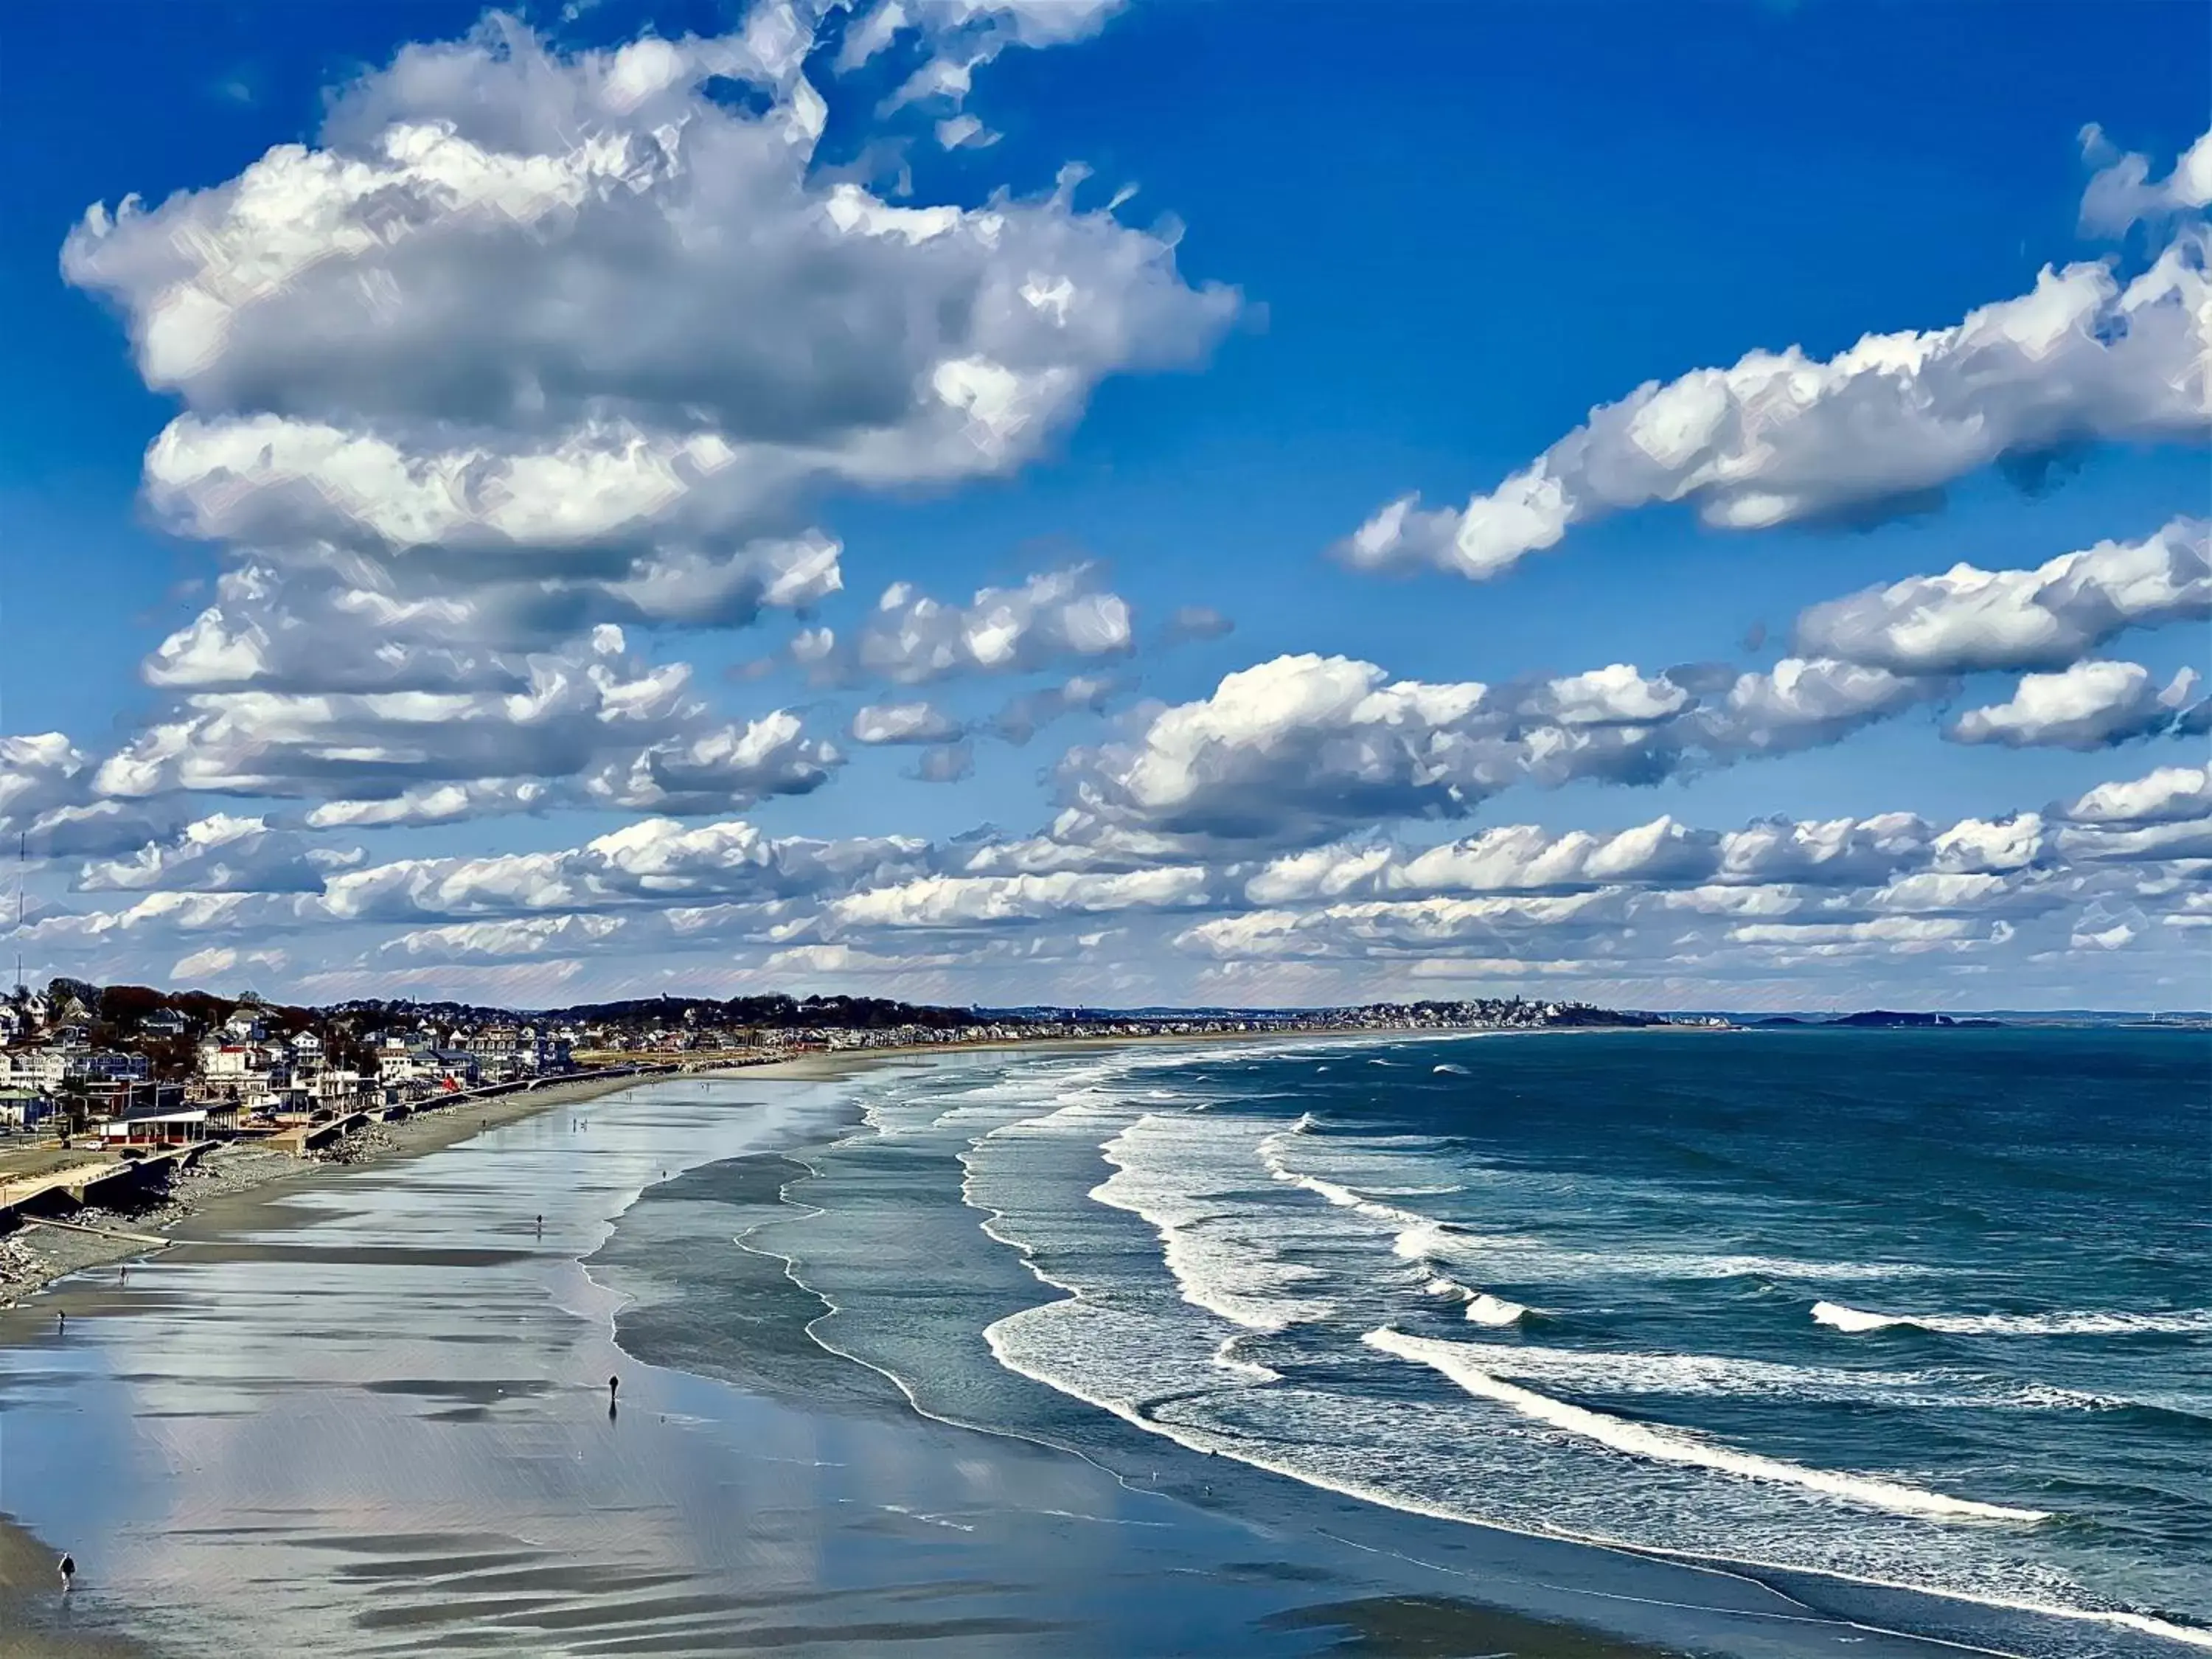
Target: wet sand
{"type": "Point", "coordinates": [367, 1412]}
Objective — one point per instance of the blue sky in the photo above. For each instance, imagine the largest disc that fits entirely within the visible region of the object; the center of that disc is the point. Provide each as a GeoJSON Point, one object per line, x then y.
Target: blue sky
{"type": "Point", "coordinates": [1412, 248]}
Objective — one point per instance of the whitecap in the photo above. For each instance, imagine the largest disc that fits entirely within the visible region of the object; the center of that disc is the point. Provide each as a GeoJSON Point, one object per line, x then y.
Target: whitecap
{"type": "Point", "coordinates": [1450, 1071]}
{"type": "Point", "coordinates": [2178, 1323]}
{"type": "Point", "coordinates": [1488, 1309]}
{"type": "Point", "coordinates": [1668, 1445]}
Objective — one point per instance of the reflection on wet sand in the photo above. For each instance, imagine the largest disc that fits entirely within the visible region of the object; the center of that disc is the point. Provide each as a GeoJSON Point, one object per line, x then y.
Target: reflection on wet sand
{"type": "Point", "coordinates": [375, 1416]}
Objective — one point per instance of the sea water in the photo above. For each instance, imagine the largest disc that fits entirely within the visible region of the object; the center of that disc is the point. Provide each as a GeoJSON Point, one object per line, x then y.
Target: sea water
{"type": "Point", "coordinates": [1845, 1309]}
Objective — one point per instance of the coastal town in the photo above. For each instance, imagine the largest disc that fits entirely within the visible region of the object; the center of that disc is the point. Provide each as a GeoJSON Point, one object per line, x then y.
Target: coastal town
{"type": "Point", "coordinates": [134, 1067]}
{"type": "Point", "coordinates": [124, 1108]}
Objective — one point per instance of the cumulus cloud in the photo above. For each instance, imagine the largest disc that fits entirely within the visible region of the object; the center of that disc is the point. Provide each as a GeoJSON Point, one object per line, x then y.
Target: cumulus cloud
{"type": "Point", "coordinates": [978, 901]}
{"type": "Point", "coordinates": [1409, 927]}
{"type": "Point", "coordinates": [223, 959]}
{"type": "Point", "coordinates": [1768, 855]}
{"type": "Point", "coordinates": [50, 808]}
{"type": "Point", "coordinates": [220, 854]}
{"type": "Point", "coordinates": [1783, 437]}
{"type": "Point", "coordinates": [1299, 748]}
{"type": "Point", "coordinates": [2093, 705]}
{"type": "Point", "coordinates": [527, 344]}
{"type": "Point", "coordinates": [593, 717]}
{"type": "Point", "coordinates": [2123, 192]}
{"type": "Point", "coordinates": [903, 722]}
{"type": "Point", "coordinates": [2164, 814]}
{"type": "Point", "coordinates": [499, 941]}
{"type": "Point", "coordinates": [654, 861]}
{"type": "Point", "coordinates": [2048, 618]}
{"type": "Point", "coordinates": [910, 639]}
{"type": "Point", "coordinates": [440, 803]}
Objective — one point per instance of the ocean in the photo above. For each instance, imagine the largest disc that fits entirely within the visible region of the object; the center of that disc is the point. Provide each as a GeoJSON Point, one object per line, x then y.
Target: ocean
{"type": "Point", "coordinates": [1916, 1326]}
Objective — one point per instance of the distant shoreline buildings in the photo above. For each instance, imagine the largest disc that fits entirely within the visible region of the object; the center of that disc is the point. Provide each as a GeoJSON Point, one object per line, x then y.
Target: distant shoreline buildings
{"type": "Point", "coordinates": [123, 1062]}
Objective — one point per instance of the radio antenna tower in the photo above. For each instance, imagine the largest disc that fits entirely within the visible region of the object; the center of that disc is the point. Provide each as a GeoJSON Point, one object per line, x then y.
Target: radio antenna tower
{"type": "Point", "coordinates": [23, 861]}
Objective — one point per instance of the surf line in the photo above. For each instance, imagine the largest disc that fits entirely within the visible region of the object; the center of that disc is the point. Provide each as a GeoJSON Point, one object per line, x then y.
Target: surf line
{"type": "Point", "coordinates": [1643, 1440]}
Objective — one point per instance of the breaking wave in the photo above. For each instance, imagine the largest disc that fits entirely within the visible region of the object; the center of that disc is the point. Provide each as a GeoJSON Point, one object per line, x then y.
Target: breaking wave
{"type": "Point", "coordinates": [2187, 1321]}
{"type": "Point", "coordinates": [1669, 1445]}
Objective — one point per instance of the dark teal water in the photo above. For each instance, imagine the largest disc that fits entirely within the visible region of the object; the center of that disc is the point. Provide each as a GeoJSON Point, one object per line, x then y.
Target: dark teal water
{"type": "Point", "coordinates": [1931, 1311]}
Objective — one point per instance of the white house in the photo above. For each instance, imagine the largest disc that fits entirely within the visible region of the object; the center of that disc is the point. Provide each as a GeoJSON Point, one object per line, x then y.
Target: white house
{"type": "Point", "coordinates": [42, 1070]}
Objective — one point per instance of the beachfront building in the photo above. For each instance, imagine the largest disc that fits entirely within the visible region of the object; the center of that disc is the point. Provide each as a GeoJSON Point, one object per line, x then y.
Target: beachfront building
{"type": "Point", "coordinates": [114, 1066]}
{"type": "Point", "coordinates": [172, 1128]}
{"type": "Point", "coordinates": [23, 1108]}
{"type": "Point", "coordinates": [42, 1070]}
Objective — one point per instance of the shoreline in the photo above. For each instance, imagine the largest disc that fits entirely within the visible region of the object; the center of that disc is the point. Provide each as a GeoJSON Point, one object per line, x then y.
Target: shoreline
{"type": "Point", "coordinates": [34, 1256]}
{"type": "Point", "coordinates": [1397, 1610]}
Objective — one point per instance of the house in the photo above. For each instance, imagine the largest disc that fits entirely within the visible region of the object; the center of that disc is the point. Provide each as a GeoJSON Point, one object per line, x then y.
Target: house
{"type": "Point", "coordinates": [23, 1108]}
{"type": "Point", "coordinates": [42, 1070]}
{"type": "Point", "coordinates": [165, 1023]}
{"type": "Point", "coordinates": [455, 1065]}
{"type": "Point", "coordinates": [227, 1062]}
{"type": "Point", "coordinates": [172, 1128]}
{"type": "Point", "coordinates": [244, 1026]}
{"type": "Point", "coordinates": [335, 1087]}
{"type": "Point", "coordinates": [115, 1065]}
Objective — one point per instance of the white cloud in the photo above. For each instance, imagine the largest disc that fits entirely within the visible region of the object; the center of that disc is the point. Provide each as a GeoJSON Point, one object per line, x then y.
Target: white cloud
{"type": "Point", "coordinates": [974, 901]}
{"type": "Point", "coordinates": [440, 803]}
{"type": "Point", "coordinates": [2164, 814]}
{"type": "Point", "coordinates": [1416, 926]}
{"type": "Point", "coordinates": [219, 855]}
{"type": "Point", "coordinates": [2167, 795]}
{"type": "Point", "coordinates": [1783, 437]}
{"type": "Point", "coordinates": [497, 941]}
{"type": "Point", "coordinates": [963, 35]}
{"type": "Point", "coordinates": [527, 344]}
{"type": "Point", "coordinates": [221, 959]}
{"type": "Point", "coordinates": [903, 722]}
{"type": "Point", "coordinates": [654, 861]}
{"type": "Point", "coordinates": [49, 806]}
{"type": "Point", "coordinates": [2093, 705]}
{"type": "Point", "coordinates": [1300, 747]}
{"type": "Point", "coordinates": [910, 639]}
{"type": "Point", "coordinates": [1969, 619]}
{"type": "Point", "coordinates": [592, 718]}
{"type": "Point", "coordinates": [2123, 192]}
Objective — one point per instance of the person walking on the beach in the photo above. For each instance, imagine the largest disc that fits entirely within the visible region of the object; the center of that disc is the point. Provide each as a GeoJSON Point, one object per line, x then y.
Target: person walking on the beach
{"type": "Point", "coordinates": [68, 1573]}
{"type": "Point", "coordinates": [61, 1323]}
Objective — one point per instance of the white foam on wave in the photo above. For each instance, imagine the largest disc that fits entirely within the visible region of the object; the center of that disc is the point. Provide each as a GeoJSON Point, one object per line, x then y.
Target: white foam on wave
{"type": "Point", "coordinates": [1723, 1377]}
{"type": "Point", "coordinates": [2183, 1322]}
{"type": "Point", "coordinates": [1179, 1175]}
{"type": "Point", "coordinates": [1523, 1257]}
{"type": "Point", "coordinates": [1227, 1358]}
{"type": "Point", "coordinates": [1449, 1070]}
{"type": "Point", "coordinates": [1488, 1309]}
{"type": "Point", "coordinates": [1671, 1445]}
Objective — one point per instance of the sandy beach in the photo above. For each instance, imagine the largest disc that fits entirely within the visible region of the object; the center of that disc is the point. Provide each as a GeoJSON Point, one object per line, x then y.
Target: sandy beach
{"type": "Point", "coordinates": [34, 1255]}
{"type": "Point", "coordinates": [365, 1411]}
